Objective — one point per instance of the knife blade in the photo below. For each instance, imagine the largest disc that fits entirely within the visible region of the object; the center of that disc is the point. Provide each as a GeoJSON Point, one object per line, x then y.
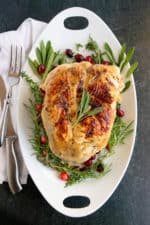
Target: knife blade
{"type": "Point", "coordinates": [12, 162]}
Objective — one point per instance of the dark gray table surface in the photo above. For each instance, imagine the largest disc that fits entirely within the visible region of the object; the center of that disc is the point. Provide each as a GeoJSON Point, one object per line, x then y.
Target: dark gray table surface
{"type": "Point", "coordinates": [130, 203]}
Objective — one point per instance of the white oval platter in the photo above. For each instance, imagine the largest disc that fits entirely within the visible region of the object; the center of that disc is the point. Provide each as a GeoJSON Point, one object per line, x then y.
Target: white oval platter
{"type": "Point", "coordinates": [46, 179]}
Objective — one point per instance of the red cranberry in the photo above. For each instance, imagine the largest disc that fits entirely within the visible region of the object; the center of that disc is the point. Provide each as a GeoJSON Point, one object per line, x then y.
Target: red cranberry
{"type": "Point", "coordinates": [69, 52]}
{"type": "Point", "coordinates": [38, 107]}
{"type": "Point", "coordinates": [43, 139]}
{"type": "Point", "coordinates": [64, 176]}
{"type": "Point", "coordinates": [88, 163]}
{"type": "Point", "coordinates": [89, 59]}
{"type": "Point", "coordinates": [120, 113]}
{"type": "Point", "coordinates": [93, 157]}
{"type": "Point", "coordinates": [100, 168]}
{"type": "Point", "coordinates": [41, 68]}
{"type": "Point", "coordinates": [44, 153]}
{"type": "Point", "coordinates": [79, 57]}
{"type": "Point", "coordinates": [105, 63]}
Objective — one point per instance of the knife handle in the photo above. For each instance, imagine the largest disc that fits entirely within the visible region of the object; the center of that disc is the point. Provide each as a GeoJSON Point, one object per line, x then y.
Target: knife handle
{"type": "Point", "coordinates": [4, 119]}
{"type": "Point", "coordinates": [12, 165]}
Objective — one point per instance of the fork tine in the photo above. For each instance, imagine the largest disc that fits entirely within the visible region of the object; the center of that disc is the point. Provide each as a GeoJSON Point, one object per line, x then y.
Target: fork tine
{"type": "Point", "coordinates": [10, 65]}
{"type": "Point", "coordinates": [20, 60]}
{"type": "Point", "coordinates": [16, 56]}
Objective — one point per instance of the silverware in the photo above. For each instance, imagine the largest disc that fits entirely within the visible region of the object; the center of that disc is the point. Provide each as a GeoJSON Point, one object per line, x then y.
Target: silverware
{"type": "Point", "coordinates": [12, 161]}
{"type": "Point", "coordinates": [13, 79]}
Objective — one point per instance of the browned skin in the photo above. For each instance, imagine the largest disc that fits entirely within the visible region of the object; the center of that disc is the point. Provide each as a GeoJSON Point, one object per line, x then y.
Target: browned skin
{"type": "Point", "coordinates": [63, 89]}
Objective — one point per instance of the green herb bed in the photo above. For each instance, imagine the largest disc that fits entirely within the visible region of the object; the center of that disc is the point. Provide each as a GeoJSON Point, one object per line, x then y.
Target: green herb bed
{"type": "Point", "coordinates": [46, 56]}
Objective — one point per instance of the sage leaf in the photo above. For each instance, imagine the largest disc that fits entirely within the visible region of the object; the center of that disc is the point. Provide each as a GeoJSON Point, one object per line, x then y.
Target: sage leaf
{"type": "Point", "coordinates": [127, 59]}
{"type": "Point", "coordinates": [109, 53]}
{"type": "Point", "coordinates": [49, 64]}
{"type": "Point", "coordinates": [95, 111]}
{"type": "Point", "coordinates": [84, 109]}
{"type": "Point", "coordinates": [33, 67]}
{"type": "Point", "coordinates": [132, 69]}
{"type": "Point", "coordinates": [127, 85]}
{"type": "Point", "coordinates": [43, 52]}
{"type": "Point", "coordinates": [121, 54]}
{"type": "Point", "coordinates": [38, 55]}
{"type": "Point", "coordinates": [48, 46]}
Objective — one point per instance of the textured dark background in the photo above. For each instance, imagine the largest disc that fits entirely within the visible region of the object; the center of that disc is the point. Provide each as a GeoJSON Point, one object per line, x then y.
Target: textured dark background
{"type": "Point", "coordinates": [130, 204]}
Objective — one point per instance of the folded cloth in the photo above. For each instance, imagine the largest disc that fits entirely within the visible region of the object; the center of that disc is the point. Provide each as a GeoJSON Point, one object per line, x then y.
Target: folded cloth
{"type": "Point", "coordinates": [24, 36]}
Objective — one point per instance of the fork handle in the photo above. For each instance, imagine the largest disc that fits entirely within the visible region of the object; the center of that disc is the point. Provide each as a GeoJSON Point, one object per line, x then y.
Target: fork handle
{"type": "Point", "coordinates": [4, 119]}
{"type": "Point", "coordinates": [12, 165]}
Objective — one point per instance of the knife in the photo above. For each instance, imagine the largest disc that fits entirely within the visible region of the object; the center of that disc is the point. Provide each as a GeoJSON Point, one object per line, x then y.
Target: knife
{"type": "Point", "coordinates": [12, 162]}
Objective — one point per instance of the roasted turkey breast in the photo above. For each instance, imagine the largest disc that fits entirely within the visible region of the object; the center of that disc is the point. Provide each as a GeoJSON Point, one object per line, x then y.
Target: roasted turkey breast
{"type": "Point", "coordinates": [63, 90]}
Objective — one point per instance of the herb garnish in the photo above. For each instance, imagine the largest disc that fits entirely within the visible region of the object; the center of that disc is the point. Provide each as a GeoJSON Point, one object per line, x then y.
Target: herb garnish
{"type": "Point", "coordinates": [119, 132]}
{"type": "Point", "coordinates": [46, 55]}
{"type": "Point", "coordinates": [84, 109]}
{"type": "Point", "coordinates": [127, 85]}
{"type": "Point", "coordinates": [92, 45]}
{"type": "Point", "coordinates": [78, 46]}
{"type": "Point", "coordinates": [109, 53]}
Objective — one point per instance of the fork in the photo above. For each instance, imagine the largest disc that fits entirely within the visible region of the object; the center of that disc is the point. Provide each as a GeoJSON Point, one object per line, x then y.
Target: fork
{"type": "Point", "coordinates": [12, 162]}
{"type": "Point", "coordinates": [13, 79]}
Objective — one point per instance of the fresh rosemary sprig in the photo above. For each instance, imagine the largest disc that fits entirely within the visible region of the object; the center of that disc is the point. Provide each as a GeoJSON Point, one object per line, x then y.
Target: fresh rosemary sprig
{"type": "Point", "coordinates": [76, 175]}
{"type": "Point", "coordinates": [46, 55]}
{"type": "Point", "coordinates": [35, 89]}
{"type": "Point", "coordinates": [119, 132]}
{"type": "Point", "coordinates": [93, 46]}
{"type": "Point", "coordinates": [84, 109]}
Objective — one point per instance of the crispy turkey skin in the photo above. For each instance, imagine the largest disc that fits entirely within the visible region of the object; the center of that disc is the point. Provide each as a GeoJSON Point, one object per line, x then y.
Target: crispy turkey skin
{"type": "Point", "coordinates": [63, 90]}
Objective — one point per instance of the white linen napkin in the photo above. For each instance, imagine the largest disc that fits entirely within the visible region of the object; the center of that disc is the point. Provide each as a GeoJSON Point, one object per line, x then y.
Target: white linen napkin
{"type": "Point", "coordinates": [24, 36]}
